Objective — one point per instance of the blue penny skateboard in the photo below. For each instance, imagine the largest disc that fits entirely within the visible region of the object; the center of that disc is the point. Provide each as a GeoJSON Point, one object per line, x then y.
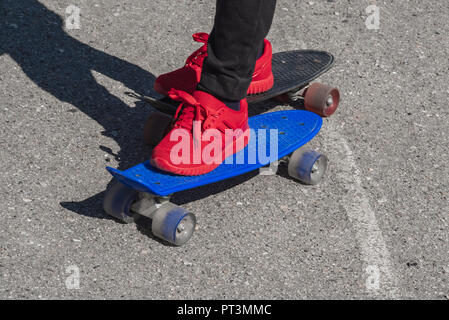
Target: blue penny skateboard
{"type": "Point", "coordinates": [145, 190]}
{"type": "Point", "coordinates": [288, 129]}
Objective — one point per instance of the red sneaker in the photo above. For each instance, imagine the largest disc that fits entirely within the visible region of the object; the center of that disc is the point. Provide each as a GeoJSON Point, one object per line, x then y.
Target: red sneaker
{"type": "Point", "coordinates": [204, 132]}
{"type": "Point", "coordinates": [187, 77]}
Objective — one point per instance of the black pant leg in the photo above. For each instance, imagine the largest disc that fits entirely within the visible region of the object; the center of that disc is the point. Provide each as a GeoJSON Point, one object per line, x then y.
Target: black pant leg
{"type": "Point", "coordinates": [237, 36]}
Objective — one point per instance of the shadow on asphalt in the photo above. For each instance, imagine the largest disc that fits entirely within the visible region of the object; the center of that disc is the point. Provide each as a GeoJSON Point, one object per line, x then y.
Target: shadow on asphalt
{"type": "Point", "coordinates": [62, 66]}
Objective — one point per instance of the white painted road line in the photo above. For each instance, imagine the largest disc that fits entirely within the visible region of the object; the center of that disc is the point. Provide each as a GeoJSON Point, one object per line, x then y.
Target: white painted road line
{"type": "Point", "coordinates": [380, 278]}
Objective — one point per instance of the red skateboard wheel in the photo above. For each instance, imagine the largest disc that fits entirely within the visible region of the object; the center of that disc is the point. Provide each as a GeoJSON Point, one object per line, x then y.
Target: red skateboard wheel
{"type": "Point", "coordinates": [321, 99]}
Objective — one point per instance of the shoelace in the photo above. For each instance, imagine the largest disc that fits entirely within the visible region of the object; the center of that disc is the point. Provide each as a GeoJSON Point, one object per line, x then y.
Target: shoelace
{"type": "Point", "coordinates": [189, 114]}
{"type": "Point", "coordinates": [198, 56]}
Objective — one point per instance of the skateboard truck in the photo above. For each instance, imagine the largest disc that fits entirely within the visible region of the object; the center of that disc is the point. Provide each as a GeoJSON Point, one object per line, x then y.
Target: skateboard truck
{"type": "Point", "coordinates": [170, 222]}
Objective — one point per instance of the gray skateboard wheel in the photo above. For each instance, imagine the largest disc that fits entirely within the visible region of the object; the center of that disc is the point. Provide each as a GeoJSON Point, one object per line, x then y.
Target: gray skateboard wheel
{"type": "Point", "coordinates": [173, 224]}
{"type": "Point", "coordinates": [118, 200]}
{"type": "Point", "coordinates": [307, 166]}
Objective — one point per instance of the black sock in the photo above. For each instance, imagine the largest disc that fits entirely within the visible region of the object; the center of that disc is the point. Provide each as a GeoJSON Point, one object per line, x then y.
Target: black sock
{"type": "Point", "coordinates": [234, 105]}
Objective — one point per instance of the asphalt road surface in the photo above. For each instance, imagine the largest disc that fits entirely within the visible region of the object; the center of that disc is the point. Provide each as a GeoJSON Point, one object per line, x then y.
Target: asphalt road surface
{"type": "Point", "coordinates": [376, 227]}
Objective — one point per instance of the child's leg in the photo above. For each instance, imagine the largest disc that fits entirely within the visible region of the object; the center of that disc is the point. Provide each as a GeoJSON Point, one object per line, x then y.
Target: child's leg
{"type": "Point", "coordinates": [234, 45]}
{"type": "Point", "coordinates": [219, 102]}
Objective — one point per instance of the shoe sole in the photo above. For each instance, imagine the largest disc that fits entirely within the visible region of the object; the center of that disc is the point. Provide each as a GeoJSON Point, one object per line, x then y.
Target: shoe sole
{"type": "Point", "coordinates": [261, 85]}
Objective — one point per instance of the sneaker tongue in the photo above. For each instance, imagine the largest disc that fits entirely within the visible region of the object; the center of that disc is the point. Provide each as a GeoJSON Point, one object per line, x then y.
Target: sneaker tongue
{"type": "Point", "coordinates": [208, 101]}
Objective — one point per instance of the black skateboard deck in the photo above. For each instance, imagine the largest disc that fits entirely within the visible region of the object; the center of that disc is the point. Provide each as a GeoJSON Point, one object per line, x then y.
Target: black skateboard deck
{"type": "Point", "coordinates": [292, 71]}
